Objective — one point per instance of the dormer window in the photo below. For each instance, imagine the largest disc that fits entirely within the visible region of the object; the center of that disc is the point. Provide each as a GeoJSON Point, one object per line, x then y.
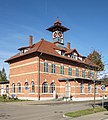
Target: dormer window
{"type": "Point", "coordinates": [23, 51]}
{"type": "Point", "coordinates": [74, 56]}
{"type": "Point", "coordinates": [62, 53]}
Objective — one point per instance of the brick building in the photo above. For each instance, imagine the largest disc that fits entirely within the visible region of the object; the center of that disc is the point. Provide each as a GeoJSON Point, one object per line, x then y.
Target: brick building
{"type": "Point", "coordinates": [49, 70]}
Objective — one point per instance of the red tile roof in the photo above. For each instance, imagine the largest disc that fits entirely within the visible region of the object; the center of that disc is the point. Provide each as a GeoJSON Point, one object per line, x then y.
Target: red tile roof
{"type": "Point", "coordinates": [49, 48]}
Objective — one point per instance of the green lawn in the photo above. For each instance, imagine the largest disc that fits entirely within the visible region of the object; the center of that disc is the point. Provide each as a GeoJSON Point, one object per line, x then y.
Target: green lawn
{"type": "Point", "coordinates": [85, 112]}
{"type": "Point", "coordinates": [10, 100]}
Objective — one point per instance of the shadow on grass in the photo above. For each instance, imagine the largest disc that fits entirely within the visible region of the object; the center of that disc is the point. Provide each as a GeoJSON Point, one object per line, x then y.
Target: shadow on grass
{"type": "Point", "coordinates": [104, 105]}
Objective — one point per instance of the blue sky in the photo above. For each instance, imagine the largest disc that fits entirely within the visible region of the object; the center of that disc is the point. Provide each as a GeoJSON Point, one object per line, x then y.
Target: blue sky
{"type": "Point", "coordinates": [86, 19]}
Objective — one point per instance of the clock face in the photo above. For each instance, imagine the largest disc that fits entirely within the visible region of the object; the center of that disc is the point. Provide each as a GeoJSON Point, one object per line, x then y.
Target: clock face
{"type": "Point", "coordinates": [57, 34]}
{"type": "Point", "coordinates": [60, 34]}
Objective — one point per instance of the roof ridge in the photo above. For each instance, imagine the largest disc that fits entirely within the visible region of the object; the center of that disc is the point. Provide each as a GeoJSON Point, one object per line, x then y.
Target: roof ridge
{"type": "Point", "coordinates": [39, 44]}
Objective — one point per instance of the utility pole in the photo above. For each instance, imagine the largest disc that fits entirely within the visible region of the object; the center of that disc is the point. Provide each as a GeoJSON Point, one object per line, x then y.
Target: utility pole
{"type": "Point", "coordinates": [94, 94]}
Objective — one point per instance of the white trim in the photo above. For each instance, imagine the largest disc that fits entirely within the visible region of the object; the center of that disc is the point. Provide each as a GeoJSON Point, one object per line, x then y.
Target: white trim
{"type": "Point", "coordinates": [35, 98]}
{"type": "Point", "coordinates": [52, 81]}
{"type": "Point", "coordinates": [28, 98]}
{"type": "Point", "coordinates": [23, 64]}
{"type": "Point", "coordinates": [26, 80]}
{"type": "Point", "coordinates": [23, 74]}
{"type": "Point", "coordinates": [85, 98]}
{"type": "Point", "coordinates": [16, 93]}
{"type": "Point", "coordinates": [31, 93]}
{"type": "Point", "coordinates": [46, 98]}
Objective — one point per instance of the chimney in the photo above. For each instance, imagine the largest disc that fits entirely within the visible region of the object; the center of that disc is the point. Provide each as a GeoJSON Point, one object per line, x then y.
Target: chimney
{"type": "Point", "coordinates": [68, 45]}
{"type": "Point", "coordinates": [30, 40]}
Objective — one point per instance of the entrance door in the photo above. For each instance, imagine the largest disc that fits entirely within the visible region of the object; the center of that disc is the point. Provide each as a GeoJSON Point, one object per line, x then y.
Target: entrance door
{"type": "Point", "coordinates": [67, 89]}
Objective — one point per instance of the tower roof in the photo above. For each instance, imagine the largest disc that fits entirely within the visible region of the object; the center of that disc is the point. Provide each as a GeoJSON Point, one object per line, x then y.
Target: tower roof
{"type": "Point", "coordinates": [57, 26]}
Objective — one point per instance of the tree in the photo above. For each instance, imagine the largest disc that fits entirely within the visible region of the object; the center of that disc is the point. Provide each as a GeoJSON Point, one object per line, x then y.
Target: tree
{"type": "Point", "coordinates": [105, 80]}
{"type": "Point", "coordinates": [95, 57]}
{"type": "Point", "coordinates": [3, 75]}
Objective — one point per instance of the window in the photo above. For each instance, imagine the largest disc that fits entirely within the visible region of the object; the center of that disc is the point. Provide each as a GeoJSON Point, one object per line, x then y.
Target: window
{"type": "Point", "coordinates": [45, 67]}
{"type": "Point", "coordinates": [19, 87]}
{"type": "Point", "coordinates": [62, 53]}
{"type": "Point", "coordinates": [7, 88]}
{"type": "Point", "coordinates": [77, 72]}
{"type": "Point", "coordinates": [52, 87]}
{"type": "Point", "coordinates": [74, 56]}
{"type": "Point", "coordinates": [62, 69]}
{"type": "Point", "coordinates": [92, 75]}
{"type": "Point", "coordinates": [45, 87]}
{"type": "Point", "coordinates": [13, 88]}
{"type": "Point", "coordinates": [96, 89]}
{"type": "Point", "coordinates": [32, 87]}
{"type": "Point", "coordinates": [83, 73]}
{"type": "Point", "coordinates": [81, 87]}
{"type": "Point", "coordinates": [89, 87]}
{"type": "Point", "coordinates": [69, 71]}
{"type": "Point", "coordinates": [89, 74]}
{"type": "Point", "coordinates": [26, 86]}
{"type": "Point", "coordinates": [53, 68]}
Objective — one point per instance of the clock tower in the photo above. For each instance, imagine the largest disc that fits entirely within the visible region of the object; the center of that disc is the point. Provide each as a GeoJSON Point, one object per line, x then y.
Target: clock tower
{"type": "Point", "coordinates": [58, 33]}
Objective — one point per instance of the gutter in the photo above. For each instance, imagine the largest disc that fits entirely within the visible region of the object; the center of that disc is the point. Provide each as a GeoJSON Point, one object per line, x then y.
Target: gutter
{"type": "Point", "coordinates": [39, 76]}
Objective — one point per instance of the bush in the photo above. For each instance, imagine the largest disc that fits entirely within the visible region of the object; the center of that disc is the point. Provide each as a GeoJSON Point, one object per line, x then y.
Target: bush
{"type": "Point", "coordinates": [4, 96]}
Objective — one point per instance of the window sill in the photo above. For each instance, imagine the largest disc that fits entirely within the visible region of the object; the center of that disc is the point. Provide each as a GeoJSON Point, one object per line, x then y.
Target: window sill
{"type": "Point", "coordinates": [33, 93]}
{"type": "Point", "coordinates": [46, 93]}
{"type": "Point", "coordinates": [82, 93]}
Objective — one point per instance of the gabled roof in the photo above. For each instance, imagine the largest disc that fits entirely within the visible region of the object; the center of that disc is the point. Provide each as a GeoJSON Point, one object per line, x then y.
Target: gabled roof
{"type": "Point", "coordinates": [71, 51]}
{"type": "Point", "coordinates": [49, 48]}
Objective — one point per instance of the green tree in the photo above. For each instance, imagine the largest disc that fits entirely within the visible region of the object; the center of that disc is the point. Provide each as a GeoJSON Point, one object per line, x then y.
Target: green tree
{"type": "Point", "coordinates": [96, 58]}
{"type": "Point", "coordinates": [3, 75]}
{"type": "Point", "coordinates": [105, 80]}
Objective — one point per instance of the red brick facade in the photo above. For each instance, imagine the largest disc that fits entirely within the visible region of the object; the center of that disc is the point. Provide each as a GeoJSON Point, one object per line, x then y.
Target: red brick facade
{"type": "Point", "coordinates": [29, 80]}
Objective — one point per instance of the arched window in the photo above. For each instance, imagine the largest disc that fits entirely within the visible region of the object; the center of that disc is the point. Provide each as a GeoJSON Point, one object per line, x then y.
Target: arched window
{"type": "Point", "coordinates": [89, 87]}
{"type": "Point", "coordinates": [45, 87]}
{"type": "Point", "coordinates": [52, 87]}
{"type": "Point", "coordinates": [96, 88]}
{"type": "Point", "coordinates": [13, 88]}
{"type": "Point", "coordinates": [26, 86]}
{"type": "Point", "coordinates": [19, 87]}
{"type": "Point", "coordinates": [32, 87]}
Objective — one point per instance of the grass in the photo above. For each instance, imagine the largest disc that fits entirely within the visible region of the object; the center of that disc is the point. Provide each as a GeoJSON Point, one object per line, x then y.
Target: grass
{"type": "Point", "coordinates": [85, 112]}
{"type": "Point", "coordinates": [10, 100]}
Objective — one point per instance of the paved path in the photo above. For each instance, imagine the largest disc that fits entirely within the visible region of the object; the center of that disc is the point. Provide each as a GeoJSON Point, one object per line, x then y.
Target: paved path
{"type": "Point", "coordinates": [45, 110]}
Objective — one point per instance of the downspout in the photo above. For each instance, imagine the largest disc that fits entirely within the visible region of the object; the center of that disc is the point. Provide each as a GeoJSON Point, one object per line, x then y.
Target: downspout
{"type": "Point", "coordinates": [39, 76]}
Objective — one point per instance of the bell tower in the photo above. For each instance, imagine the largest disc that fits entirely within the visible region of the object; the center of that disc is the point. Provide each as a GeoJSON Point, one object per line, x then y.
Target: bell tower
{"type": "Point", "coordinates": [58, 33]}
